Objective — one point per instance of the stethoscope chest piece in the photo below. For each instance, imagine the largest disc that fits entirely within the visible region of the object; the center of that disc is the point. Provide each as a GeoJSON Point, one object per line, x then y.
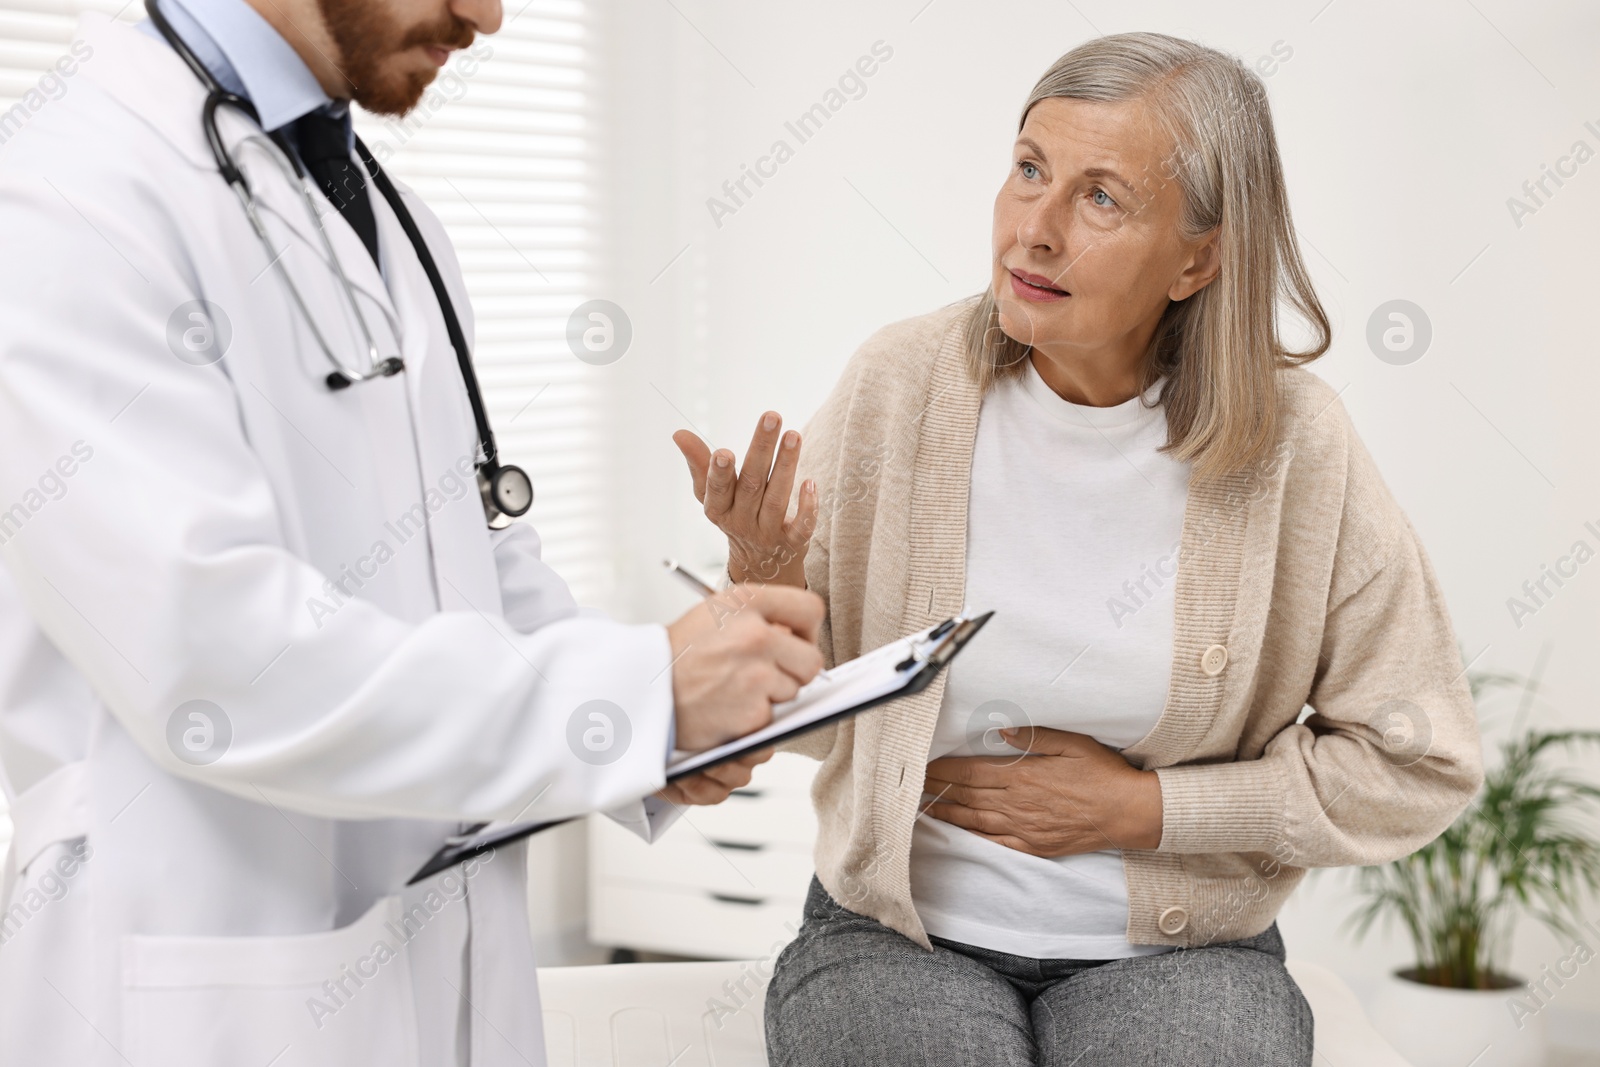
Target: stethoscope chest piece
{"type": "Point", "coordinates": [506, 491]}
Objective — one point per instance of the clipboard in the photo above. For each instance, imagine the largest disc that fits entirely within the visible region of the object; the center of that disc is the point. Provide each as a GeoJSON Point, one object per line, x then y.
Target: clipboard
{"type": "Point", "coordinates": [898, 669]}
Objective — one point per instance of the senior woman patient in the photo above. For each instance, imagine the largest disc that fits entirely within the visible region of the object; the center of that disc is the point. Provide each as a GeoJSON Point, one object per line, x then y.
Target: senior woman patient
{"type": "Point", "coordinates": [1185, 544]}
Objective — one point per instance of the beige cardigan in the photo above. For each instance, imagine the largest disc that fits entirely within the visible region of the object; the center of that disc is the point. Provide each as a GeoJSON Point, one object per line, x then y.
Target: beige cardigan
{"type": "Point", "coordinates": [1299, 583]}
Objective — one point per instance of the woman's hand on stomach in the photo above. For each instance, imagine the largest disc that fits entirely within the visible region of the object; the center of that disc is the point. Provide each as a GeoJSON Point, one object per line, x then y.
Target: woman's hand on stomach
{"type": "Point", "coordinates": [750, 504]}
{"type": "Point", "coordinates": [1070, 794]}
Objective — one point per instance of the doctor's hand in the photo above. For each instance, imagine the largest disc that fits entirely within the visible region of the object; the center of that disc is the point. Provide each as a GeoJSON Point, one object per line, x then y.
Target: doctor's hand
{"type": "Point", "coordinates": [736, 654]}
{"type": "Point", "coordinates": [714, 784]}
{"type": "Point", "coordinates": [1069, 794]}
{"type": "Point", "coordinates": [750, 503]}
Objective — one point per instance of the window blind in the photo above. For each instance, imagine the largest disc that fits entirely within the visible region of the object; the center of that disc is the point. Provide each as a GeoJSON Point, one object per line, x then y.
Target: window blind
{"type": "Point", "coordinates": [502, 148]}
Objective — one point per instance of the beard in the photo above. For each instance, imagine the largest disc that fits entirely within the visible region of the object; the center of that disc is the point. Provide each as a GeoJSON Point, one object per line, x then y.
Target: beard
{"type": "Point", "coordinates": [370, 43]}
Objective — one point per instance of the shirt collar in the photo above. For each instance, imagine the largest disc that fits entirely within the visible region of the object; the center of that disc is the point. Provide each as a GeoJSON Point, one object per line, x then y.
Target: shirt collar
{"type": "Point", "coordinates": [248, 57]}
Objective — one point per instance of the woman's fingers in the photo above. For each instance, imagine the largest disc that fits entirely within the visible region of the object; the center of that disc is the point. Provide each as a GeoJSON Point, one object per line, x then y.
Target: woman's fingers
{"type": "Point", "coordinates": [1018, 844]}
{"type": "Point", "coordinates": [698, 455]}
{"type": "Point", "coordinates": [719, 485]}
{"type": "Point", "coordinates": [757, 462]}
{"type": "Point", "coordinates": [1042, 740]}
{"type": "Point", "coordinates": [750, 502]}
{"type": "Point", "coordinates": [966, 796]}
{"type": "Point", "coordinates": [980, 772]}
{"type": "Point", "coordinates": [976, 819]}
{"type": "Point", "coordinates": [775, 503]}
{"type": "Point", "coordinates": [712, 472]}
{"type": "Point", "coordinates": [798, 530]}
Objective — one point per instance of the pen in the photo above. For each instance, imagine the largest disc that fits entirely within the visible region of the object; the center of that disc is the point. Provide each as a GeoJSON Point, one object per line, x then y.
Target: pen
{"type": "Point", "coordinates": [677, 570]}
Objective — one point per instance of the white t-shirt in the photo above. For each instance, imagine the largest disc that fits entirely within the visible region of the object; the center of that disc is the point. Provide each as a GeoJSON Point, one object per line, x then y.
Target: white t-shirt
{"type": "Point", "coordinates": [1073, 531]}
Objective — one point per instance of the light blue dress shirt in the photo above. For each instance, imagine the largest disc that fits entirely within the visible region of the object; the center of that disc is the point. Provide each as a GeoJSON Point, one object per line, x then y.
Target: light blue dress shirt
{"type": "Point", "coordinates": [248, 57]}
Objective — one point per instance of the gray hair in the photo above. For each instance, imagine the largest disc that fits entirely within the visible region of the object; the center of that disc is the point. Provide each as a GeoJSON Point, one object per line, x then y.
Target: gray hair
{"type": "Point", "coordinates": [1220, 348]}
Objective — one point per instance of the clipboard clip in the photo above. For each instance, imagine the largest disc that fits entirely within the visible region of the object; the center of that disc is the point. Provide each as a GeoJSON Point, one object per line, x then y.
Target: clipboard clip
{"type": "Point", "coordinates": [943, 642]}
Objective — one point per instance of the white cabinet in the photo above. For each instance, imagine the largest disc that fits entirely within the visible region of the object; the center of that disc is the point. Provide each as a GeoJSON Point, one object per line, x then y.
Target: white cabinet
{"type": "Point", "coordinates": [726, 881]}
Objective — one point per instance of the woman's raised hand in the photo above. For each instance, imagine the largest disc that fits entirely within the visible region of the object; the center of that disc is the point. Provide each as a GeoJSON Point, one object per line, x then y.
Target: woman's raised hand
{"type": "Point", "coordinates": [750, 504]}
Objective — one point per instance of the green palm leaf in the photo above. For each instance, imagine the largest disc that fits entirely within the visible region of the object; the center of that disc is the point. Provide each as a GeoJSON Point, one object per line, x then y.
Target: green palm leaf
{"type": "Point", "coordinates": [1520, 848]}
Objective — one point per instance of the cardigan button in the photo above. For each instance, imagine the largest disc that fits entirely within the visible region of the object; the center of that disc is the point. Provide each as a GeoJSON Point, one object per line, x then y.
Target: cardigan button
{"type": "Point", "coordinates": [1173, 920]}
{"type": "Point", "coordinates": [1213, 659]}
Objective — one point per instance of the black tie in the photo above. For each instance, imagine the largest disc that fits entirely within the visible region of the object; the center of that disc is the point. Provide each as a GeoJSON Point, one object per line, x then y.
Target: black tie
{"type": "Point", "coordinates": [325, 150]}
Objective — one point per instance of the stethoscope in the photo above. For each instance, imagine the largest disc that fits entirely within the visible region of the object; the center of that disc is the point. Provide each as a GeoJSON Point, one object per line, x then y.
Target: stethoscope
{"type": "Point", "coordinates": [506, 490]}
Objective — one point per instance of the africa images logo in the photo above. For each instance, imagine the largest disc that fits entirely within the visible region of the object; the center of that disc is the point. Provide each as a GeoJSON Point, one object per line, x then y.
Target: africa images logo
{"type": "Point", "coordinates": [599, 732]}
{"type": "Point", "coordinates": [199, 732]}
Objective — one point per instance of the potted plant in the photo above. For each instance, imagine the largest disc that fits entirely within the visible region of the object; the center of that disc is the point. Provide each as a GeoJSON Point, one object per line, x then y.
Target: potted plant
{"type": "Point", "coordinates": [1518, 849]}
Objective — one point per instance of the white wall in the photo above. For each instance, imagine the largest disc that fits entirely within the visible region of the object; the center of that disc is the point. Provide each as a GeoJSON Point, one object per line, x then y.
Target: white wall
{"type": "Point", "coordinates": [1404, 128]}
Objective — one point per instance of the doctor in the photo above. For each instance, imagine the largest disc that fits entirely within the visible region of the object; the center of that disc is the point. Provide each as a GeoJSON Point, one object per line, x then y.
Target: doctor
{"type": "Point", "coordinates": [263, 644]}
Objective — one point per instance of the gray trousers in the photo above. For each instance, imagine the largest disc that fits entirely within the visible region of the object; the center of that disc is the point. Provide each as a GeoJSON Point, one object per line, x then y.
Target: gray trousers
{"type": "Point", "coordinates": [850, 991]}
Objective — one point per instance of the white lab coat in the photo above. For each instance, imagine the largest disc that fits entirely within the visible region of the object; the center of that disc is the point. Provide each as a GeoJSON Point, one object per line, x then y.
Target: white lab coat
{"type": "Point", "coordinates": [172, 534]}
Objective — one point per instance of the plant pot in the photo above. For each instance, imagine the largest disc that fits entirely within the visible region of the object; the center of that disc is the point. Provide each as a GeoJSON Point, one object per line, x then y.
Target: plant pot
{"type": "Point", "coordinates": [1432, 1026]}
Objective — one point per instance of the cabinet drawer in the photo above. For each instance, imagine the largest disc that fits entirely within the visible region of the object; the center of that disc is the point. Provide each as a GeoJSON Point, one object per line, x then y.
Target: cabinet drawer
{"type": "Point", "coordinates": [690, 923]}
{"type": "Point", "coordinates": [686, 859]}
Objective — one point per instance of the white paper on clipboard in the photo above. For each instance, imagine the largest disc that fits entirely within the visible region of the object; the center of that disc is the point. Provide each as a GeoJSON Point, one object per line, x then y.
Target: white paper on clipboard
{"type": "Point", "coordinates": [849, 685]}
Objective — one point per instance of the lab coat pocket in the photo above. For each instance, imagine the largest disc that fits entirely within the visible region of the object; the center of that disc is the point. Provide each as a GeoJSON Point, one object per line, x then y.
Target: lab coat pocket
{"type": "Point", "coordinates": [307, 1000]}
